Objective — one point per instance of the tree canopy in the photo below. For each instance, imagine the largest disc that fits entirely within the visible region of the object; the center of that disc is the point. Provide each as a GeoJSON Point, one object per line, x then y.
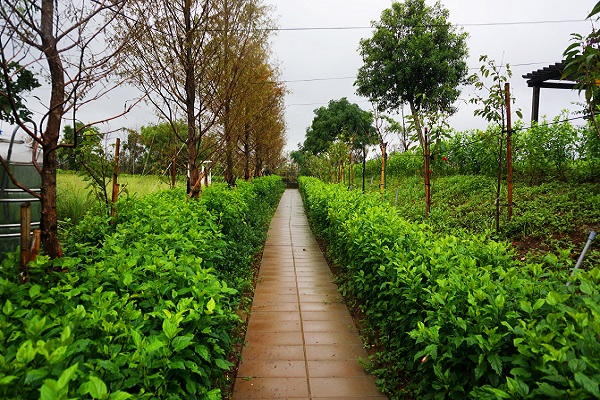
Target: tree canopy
{"type": "Point", "coordinates": [415, 56]}
{"type": "Point", "coordinates": [19, 80]}
{"type": "Point", "coordinates": [339, 120]}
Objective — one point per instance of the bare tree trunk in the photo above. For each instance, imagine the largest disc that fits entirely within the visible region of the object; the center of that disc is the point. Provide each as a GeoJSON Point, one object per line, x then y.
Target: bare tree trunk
{"type": "Point", "coordinates": [190, 92]}
{"type": "Point", "coordinates": [49, 223]}
{"type": "Point", "coordinates": [247, 152]}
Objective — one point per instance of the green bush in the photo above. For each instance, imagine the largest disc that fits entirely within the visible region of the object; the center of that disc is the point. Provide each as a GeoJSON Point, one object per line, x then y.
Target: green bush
{"type": "Point", "coordinates": [138, 309]}
{"type": "Point", "coordinates": [455, 314]}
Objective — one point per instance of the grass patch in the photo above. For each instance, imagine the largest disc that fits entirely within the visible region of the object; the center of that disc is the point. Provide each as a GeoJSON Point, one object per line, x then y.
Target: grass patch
{"type": "Point", "coordinates": [74, 197]}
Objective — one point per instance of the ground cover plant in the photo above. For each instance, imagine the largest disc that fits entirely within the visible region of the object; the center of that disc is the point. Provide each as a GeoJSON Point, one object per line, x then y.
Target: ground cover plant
{"type": "Point", "coordinates": [458, 315]}
{"type": "Point", "coordinates": [74, 198]}
{"type": "Point", "coordinates": [142, 308]}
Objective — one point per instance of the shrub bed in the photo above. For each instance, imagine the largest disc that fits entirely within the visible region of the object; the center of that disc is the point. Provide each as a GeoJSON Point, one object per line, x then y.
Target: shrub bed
{"type": "Point", "coordinates": [457, 315]}
{"type": "Point", "coordinates": [140, 309]}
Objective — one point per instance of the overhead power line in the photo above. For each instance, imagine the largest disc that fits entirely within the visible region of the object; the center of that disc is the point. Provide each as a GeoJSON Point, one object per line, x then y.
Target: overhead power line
{"type": "Point", "coordinates": [347, 28]}
{"type": "Point", "coordinates": [354, 77]}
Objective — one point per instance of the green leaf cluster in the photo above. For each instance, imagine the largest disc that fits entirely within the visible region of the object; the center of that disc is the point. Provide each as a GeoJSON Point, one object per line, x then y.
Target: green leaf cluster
{"type": "Point", "coordinates": [139, 309]}
{"type": "Point", "coordinates": [455, 314]}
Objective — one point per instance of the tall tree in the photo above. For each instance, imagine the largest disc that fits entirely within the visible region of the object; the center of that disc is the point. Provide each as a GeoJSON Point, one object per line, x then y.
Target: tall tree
{"type": "Point", "coordinates": [168, 53]}
{"type": "Point", "coordinates": [244, 29]}
{"type": "Point", "coordinates": [339, 120]}
{"type": "Point", "coordinates": [60, 37]}
{"type": "Point", "coordinates": [415, 57]}
{"type": "Point", "coordinates": [261, 121]}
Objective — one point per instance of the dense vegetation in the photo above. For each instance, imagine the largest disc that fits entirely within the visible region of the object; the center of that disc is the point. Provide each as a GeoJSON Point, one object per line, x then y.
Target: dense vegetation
{"type": "Point", "coordinates": [142, 308]}
{"type": "Point", "coordinates": [454, 314]}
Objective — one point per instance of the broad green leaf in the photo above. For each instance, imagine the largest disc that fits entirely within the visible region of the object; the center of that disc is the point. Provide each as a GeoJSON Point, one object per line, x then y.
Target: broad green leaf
{"type": "Point", "coordinates": [49, 390]}
{"type": "Point", "coordinates": [210, 306]}
{"type": "Point", "coordinates": [586, 288]}
{"type": "Point", "coordinates": [589, 384]}
{"type": "Point", "coordinates": [170, 329]}
{"type": "Point", "coordinates": [35, 375]}
{"type": "Point", "coordinates": [181, 342]}
{"type": "Point", "coordinates": [127, 278]}
{"type": "Point", "coordinates": [549, 390]}
{"type": "Point", "coordinates": [500, 394]}
{"type": "Point", "coordinates": [499, 301]}
{"type": "Point", "coordinates": [8, 308]}
{"type": "Point", "coordinates": [496, 363]}
{"type": "Point", "coordinates": [137, 338]}
{"type": "Point", "coordinates": [26, 352]}
{"type": "Point", "coordinates": [553, 298]}
{"type": "Point", "coordinates": [203, 352]}
{"type": "Point", "coordinates": [526, 306]}
{"type": "Point", "coordinates": [65, 334]}
{"type": "Point", "coordinates": [97, 388]}
{"type": "Point", "coordinates": [222, 363]}
{"type": "Point", "coordinates": [34, 291]}
{"type": "Point", "coordinates": [120, 395]}
{"type": "Point", "coordinates": [538, 304]}
{"type": "Point", "coordinates": [7, 379]}
{"type": "Point", "coordinates": [67, 375]}
{"type": "Point", "coordinates": [154, 345]}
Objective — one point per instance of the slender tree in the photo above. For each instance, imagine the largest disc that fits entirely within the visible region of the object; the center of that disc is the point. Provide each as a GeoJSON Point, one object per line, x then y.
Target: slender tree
{"type": "Point", "coordinates": [168, 53]}
{"type": "Point", "coordinates": [414, 57]}
{"type": "Point", "coordinates": [59, 37]}
{"type": "Point", "coordinates": [244, 28]}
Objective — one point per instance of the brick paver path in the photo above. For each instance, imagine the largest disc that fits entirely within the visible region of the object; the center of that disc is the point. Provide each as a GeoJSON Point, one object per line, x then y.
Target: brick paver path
{"type": "Point", "coordinates": [301, 342]}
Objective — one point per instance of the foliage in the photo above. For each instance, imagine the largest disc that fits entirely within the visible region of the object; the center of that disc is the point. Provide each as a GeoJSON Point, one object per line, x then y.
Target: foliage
{"type": "Point", "coordinates": [415, 56]}
{"type": "Point", "coordinates": [83, 142]}
{"type": "Point", "coordinates": [582, 64]}
{"type": "Point", "coordinates": [140, 309]}
{"type": "Point", "coordinates": [494, 105]}
{"type": "Point", "coordinates": [136, 317]}
{"type": "Point", "coordinates": [340, 120]}
{"type": "Point", "coordinates": [243, 216]}
{"type": "Point", "coordinates": [454, 314]}
{"type": "Point", "coordinates": [21, 81]}
{"type": "Point", "coordinates": [549, 151]}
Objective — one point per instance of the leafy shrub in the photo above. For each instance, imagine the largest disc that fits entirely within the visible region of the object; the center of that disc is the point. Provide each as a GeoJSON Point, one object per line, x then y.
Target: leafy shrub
{"type": "Point", "coordinates": [455, 313]}
{"type": "Point", "coordinates": [138, 309]}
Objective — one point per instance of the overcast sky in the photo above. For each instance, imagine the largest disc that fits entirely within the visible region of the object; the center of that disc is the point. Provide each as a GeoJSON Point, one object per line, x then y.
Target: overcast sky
{"type": "Point", "coordinates": [332, 54]}
{"type": "Point", "coordinates": [319, 65]}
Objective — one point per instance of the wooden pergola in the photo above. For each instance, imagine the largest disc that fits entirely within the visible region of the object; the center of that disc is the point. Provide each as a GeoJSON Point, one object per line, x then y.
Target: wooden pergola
{"type": "Point", "coordinates": [550, 77]}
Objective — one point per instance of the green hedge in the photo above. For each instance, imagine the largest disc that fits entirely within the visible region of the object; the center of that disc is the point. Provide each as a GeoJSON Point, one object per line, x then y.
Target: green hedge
{"type": "Point", "coordinates": [456, 316]}
{"type": "Point", "coordinates": [142, 309]}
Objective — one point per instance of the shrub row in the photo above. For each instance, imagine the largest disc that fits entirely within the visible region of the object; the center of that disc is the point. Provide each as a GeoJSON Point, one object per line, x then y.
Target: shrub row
{"type": "Point", "coordinates": [140, 309]}
{"type": "Point", "coordinates": [455, 315]}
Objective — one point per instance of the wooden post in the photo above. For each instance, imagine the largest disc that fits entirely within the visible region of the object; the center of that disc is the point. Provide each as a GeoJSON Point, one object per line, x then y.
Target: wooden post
{"type": "Point", "coordinates": [535, 104]}
{"type": "Point", "coordinates": [174, 171]}
{"type": "Point", "coordinates": [509, 164]}
{"type": "Point", "coordinates": [364, 167]}
{"type": "Point", "coordinates": [25, 237]}
{"type": "Point", "coordinates": [115, 188]}
{"type": "Point", "coordinates": [426, 156]}
{"type": "Point", "coordinates": [383, 147]}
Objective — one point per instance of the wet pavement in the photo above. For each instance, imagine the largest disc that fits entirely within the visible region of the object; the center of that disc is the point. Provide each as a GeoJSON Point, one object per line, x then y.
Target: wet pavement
{"type": "Point", "coordinates": [301, 342]}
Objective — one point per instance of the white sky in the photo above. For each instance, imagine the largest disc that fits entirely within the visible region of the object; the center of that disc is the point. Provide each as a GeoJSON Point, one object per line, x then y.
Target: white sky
{"type": "Point", "coordinates": [320, 55]}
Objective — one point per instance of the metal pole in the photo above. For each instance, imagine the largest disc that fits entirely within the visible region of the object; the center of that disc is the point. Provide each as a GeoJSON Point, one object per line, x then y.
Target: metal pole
{"type": "Point", "coordinates": [590, 239]}
{"type": "Point", "coordinates": [509, 163]}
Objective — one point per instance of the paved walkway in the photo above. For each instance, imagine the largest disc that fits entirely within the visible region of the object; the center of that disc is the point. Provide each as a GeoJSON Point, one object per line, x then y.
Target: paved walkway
{"type": "Point", "coordinates": [301, 342]}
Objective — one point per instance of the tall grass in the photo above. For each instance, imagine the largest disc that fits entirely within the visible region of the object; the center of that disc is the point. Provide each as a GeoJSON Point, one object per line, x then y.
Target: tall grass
{"type": "Point", "coordinates": [74, 197]}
